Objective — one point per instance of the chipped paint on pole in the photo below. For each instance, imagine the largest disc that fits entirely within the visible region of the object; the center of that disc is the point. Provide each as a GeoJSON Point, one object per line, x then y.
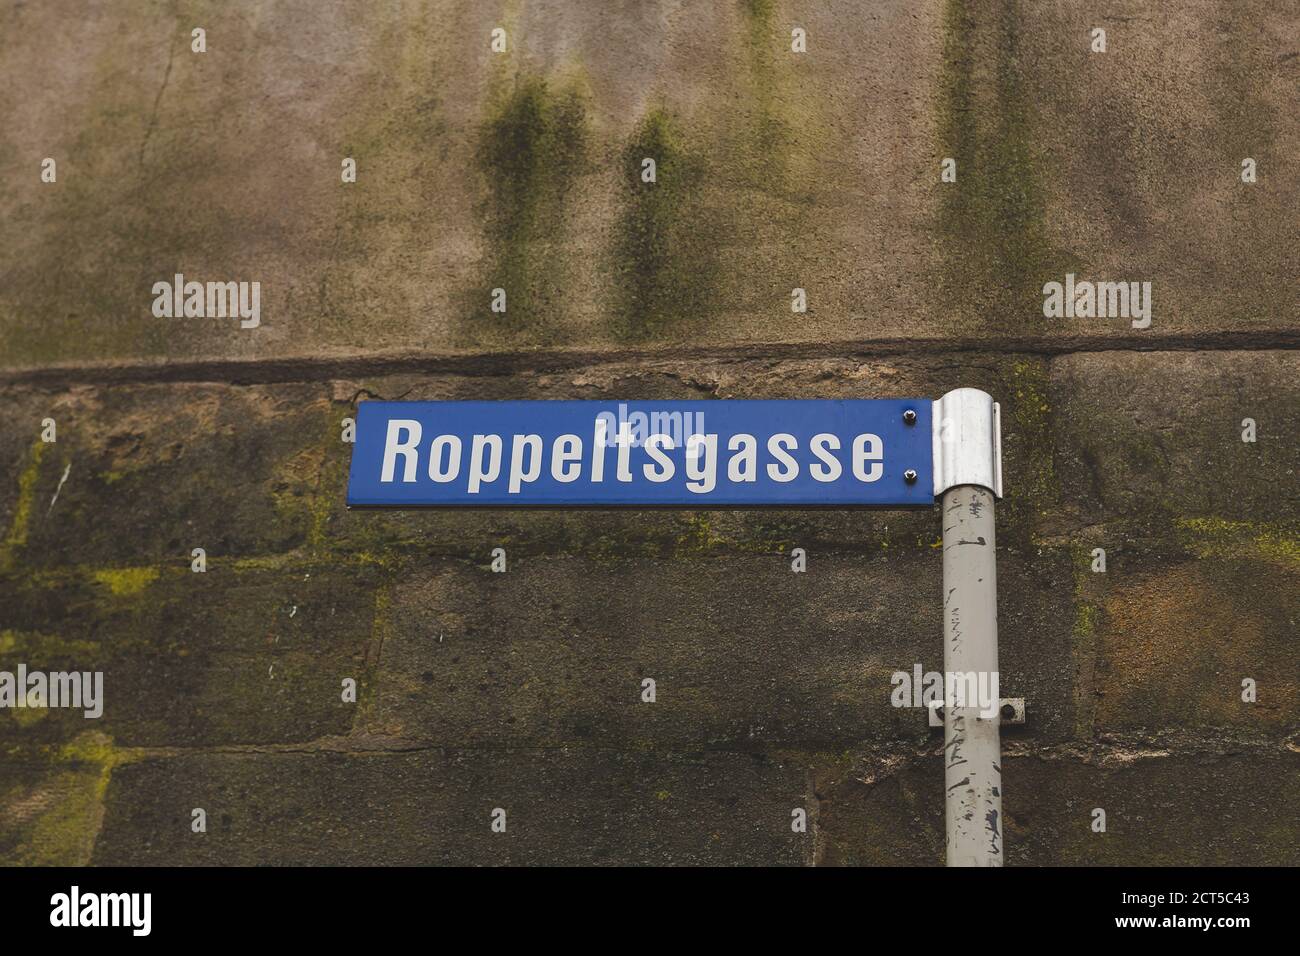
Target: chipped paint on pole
{"type": "Point", "coordinates": [968, 477]}
{"type": "Point", "coordinates": [972, 749]}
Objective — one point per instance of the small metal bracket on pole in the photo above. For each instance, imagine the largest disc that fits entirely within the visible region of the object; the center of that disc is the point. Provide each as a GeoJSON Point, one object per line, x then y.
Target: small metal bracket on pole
{"type": "Point", "coordinates": [967, 444]}
{"type": "Point", "coordinates": [1010, 709]}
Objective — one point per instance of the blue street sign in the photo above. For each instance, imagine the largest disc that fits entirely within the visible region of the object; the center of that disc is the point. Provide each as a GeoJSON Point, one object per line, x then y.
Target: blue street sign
{"type": "Point", "coordinates": [706, 454]}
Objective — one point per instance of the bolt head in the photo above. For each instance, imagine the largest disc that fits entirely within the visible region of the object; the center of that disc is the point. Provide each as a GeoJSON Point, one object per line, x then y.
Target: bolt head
{"type": "Point", "coordinates": [909, 417]}
{"type": "Point", "coordinates": [909, 476]}
{"type": "Point", "coordinates": [1008, 712]}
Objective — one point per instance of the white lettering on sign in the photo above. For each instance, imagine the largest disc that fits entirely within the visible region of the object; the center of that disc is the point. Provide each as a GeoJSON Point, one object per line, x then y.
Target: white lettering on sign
{"type": "Point", "coordinates": [568, 459]}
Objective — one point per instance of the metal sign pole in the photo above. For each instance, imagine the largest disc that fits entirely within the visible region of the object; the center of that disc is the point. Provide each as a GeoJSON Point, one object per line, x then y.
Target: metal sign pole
{"type": "Point", "coordinates": [968, 478]}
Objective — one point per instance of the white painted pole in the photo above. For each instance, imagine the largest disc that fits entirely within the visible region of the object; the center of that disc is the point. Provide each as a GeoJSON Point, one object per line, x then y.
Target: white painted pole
{"type": "Point", "coordinates": [968, 480]}
{"type": "Point", "coordinates": [972, 750]}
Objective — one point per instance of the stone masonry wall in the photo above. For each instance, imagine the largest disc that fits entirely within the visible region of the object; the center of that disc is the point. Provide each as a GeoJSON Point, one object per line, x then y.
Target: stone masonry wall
{"type": "Point", "coordinates": [520, 170]}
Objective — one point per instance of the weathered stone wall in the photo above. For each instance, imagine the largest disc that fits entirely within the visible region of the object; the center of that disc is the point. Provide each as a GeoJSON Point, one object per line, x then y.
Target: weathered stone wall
{"type": "Point", "coordinates": [775, 170]}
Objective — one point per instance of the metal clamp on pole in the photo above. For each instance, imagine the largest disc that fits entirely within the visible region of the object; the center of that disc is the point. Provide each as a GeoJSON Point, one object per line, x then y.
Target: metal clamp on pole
{"type": "Point", "coordinates": [967, 445]}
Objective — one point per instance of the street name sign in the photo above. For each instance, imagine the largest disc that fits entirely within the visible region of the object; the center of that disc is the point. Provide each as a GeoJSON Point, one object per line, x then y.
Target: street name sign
{"type": "Point", "coordinates": [675, 454]}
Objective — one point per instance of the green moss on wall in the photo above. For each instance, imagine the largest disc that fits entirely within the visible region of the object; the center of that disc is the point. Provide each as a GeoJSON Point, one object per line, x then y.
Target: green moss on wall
{"type": "Point", "coordinates": [56, 815]}
{"type": "Point", "coordinates": [1031, 484]}
{"type": "Point", "coordinates": [531, 149]}
{"type": "Point", "coordinates": [1208, 537]}
{"type": "Point", "coordinates": [995, 250]}
{"type": "Point", "coordinates": [367, 716]}
{"type": "Point", "coordinates": [16, 538]}
{"type": "Point", "coordinates": [772, 132]}
{"type": "Point", "coordinates": [85, 293]}
{"type": "Point", "coordinates": [665, 249]}
{"type": "Point", "coordinates": [126, 582]}
{"type": "Point", "coordinates": [399, 139]}
{"type": "Point", "coordinates": [1088, 621]}
{"type": "Point", "coordinates": [39, 649]}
